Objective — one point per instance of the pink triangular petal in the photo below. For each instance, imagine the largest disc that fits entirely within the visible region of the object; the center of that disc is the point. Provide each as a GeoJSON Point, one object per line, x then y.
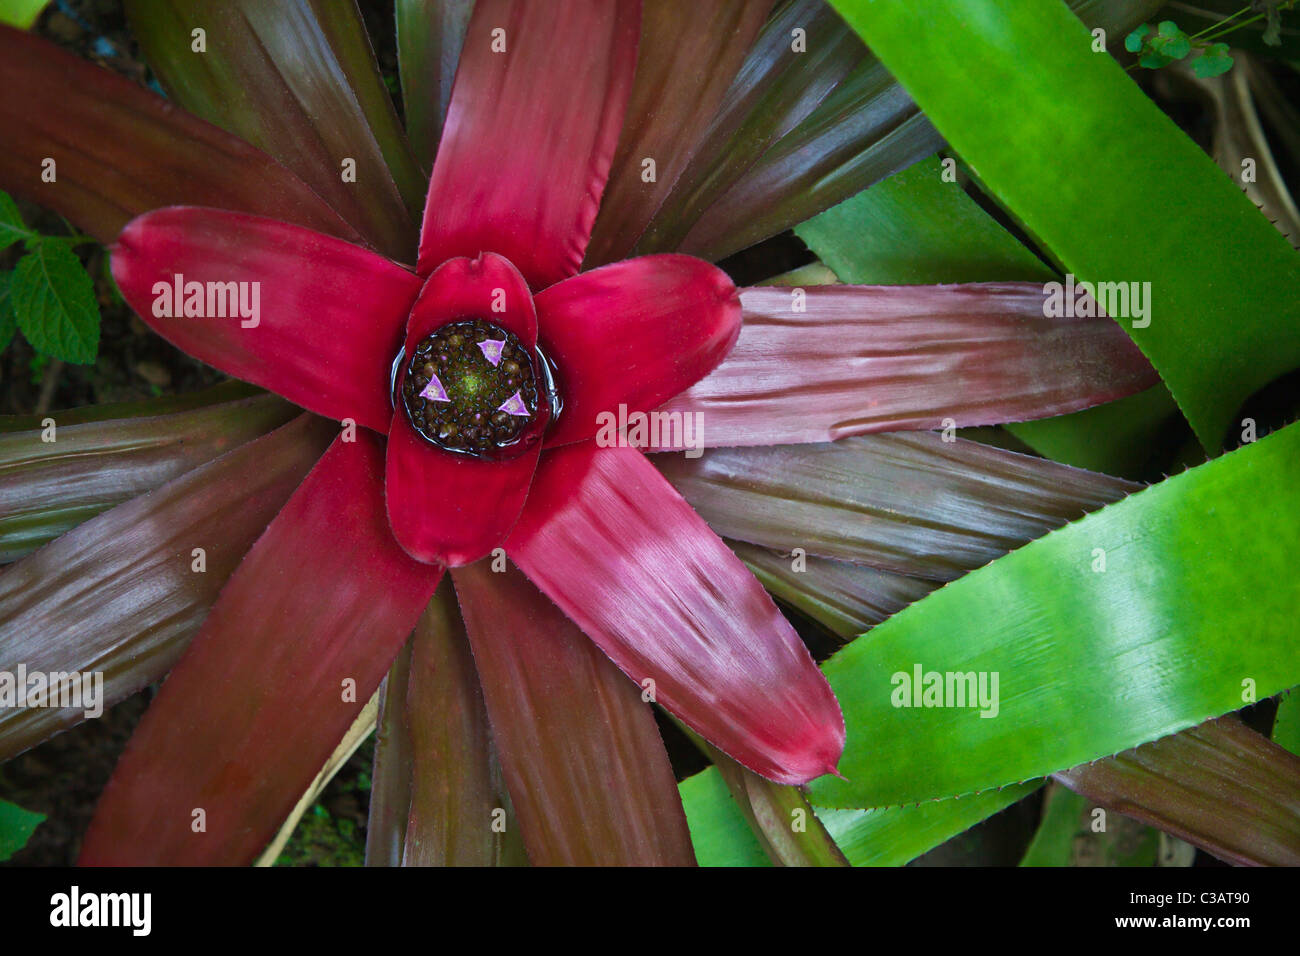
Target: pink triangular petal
{"type": "Point", "coordinates": [492, 350]}
{"type": "Point", "coordinates": [434, 391]}
{"type": "Point", "coordinates": [514, 405]}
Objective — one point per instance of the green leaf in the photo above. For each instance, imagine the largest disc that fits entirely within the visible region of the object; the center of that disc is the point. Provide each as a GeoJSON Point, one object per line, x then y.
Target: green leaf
{"type": "Point", "coordinates": [916, 229]}
{"type": "Point", "coordinates": [8, 321]}
{"type": "Point", "coordinates": [21, 14]}
{"type": "Point", "coordinates": [1066, 836]}
{"type": "Point", "coordinates": [1118, 438]}
{"type": "Point", "coordinates": [1213, 62]}
{"type": "Point", "coordinates": [1222, 326]}
{"type": "Point", "coordinates": [1133, 42]}
{"type": "Point", "coordinates": [16, 828]}
{"type": "Point", "coordinates": [1286, 726]}
{"type": "Point", "coordinates": [54, 302]}
{"type": "Point", "coordinates": [719, 832]}
{"type": "Point", "coordinates": [1149, 646]}
{"type": "Point", "coordinates": [893, 836]}
{"type": "Point", "coordinates": [12, 228]}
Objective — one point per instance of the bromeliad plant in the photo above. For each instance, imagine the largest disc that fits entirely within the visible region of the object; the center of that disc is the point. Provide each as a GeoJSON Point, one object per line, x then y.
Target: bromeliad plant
{"type": "Point", "coordinates": [581, 176]}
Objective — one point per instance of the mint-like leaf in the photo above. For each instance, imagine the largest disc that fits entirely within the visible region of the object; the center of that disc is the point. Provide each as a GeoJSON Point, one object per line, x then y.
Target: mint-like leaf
{"type": "Point", "coordinates": [8, 323]}
{"type": "Point", "coordinates": [12, 227]}
{"type": "Point", "coordinates": [54, 301]}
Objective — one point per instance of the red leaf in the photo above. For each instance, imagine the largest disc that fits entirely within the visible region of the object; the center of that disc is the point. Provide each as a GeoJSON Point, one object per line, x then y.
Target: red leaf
{"type": "Point", "coordinates": [437, 783]}
{"type": "Point", "coordinates": [1220, 786]}
{"type": "Point", "coordinates": [331, 314]}
{"type": "Point", "coordinates": [322, 603]}
{"type": "Point", "coordinates": [606, 538]}
{"type": "Point", "coordinates": [530, 133]}
{"type": "Point", "coordinates": [121, 150]}
{"type": "Point", "coordinates": [635, 333]}
{"type": "Point", "coordinates": [449, 508]}
{"type": "Point", "coordinates": [298, 79]}
{"type": "Point", "coordinates": [119, 594]}
{"type": "Point", "coordinates": [48, 489]}
{"type": "Point", "coordinates": [587, 770]}
{"type": "Point", "coordinates": [884, 358]}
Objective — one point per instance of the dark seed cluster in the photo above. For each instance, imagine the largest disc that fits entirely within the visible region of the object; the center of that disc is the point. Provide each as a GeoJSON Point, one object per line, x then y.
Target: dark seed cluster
{"type": "Point", "coordinates": [476, 417]}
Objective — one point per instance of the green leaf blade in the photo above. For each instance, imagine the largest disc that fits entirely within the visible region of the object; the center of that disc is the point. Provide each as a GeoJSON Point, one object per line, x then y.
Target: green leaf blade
{"type": "Point", "coordinates": [1090, 662]}
{"type": "Point", "coordinates": [1221, 325]}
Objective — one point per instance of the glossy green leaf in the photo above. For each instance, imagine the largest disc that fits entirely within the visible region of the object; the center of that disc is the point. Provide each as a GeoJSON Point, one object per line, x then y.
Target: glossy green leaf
{"type": "Point", "coordinates": [1221, 326]}
{"type": "Point", "coordinates": [798, 132]}
{"type": "Point", "coordinates": [892, 836]}
{"type": "Point", "coordinates": [16, 828]}
{"type": "Point", "coordinates": [1220, 786]}
{"type": "Point", "coordinates": [54, 303]}
{"type": "Point", "coordinates": [719, 832]}
{"type": "Point", "coordinates": [298, 80]}
{"type": "Point", "coordinates": [1118, 438]}
{"type": "Point", "coordinates": [49, 486]}
{"type": "Point", "coordinates": [886, 837]}
{"type": "Point", "coordinates": [1145, 648]}
{"type": "Point", "coordinates": [430, 34]}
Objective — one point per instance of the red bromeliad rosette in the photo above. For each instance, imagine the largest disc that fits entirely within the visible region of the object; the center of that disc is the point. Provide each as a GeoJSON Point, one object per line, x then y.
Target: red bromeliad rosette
{"type": "Point", "coordinates": [485, 370]}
